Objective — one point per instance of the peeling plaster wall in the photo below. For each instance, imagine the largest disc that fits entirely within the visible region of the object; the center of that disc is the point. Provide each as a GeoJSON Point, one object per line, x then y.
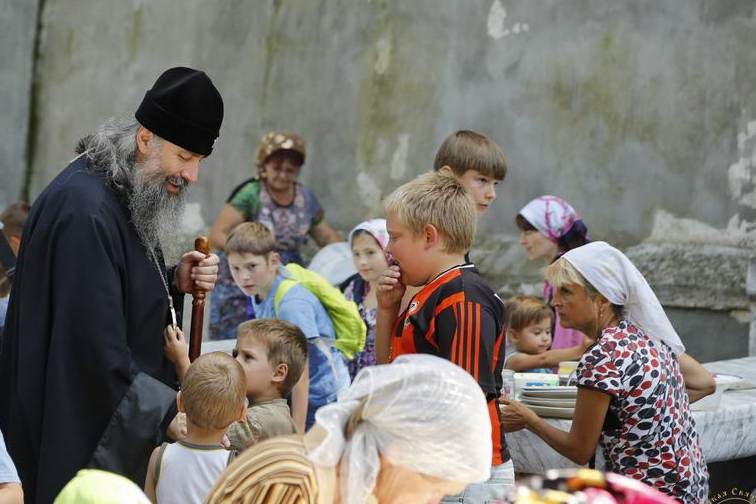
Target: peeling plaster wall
{"type": "Point", "coordinates": [623, 108]}
{"type": "Point", "coordinates": [640, 113]}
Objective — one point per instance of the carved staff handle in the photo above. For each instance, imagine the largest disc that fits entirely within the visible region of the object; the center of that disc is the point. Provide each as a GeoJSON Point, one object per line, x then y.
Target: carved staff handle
{"type": "Point", "coordinates": [201, 244]}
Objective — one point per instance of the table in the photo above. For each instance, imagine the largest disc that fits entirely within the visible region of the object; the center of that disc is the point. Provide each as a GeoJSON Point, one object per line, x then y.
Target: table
{"type": "Point", "coordinates": [727, 433]}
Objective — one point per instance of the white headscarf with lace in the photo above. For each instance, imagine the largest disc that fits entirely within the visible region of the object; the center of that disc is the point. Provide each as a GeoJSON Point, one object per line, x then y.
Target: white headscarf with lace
{"type": "Point", "coordinates": [618, 280]}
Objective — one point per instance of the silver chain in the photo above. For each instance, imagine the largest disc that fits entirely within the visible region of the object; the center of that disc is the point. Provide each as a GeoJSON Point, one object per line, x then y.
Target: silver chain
{"type": "Point", "coordinates": [165, 285]}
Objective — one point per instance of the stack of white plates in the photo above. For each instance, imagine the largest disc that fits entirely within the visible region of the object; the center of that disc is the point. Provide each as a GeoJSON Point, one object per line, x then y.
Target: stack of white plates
{"type": "Point", "coordinates": [554, 402]}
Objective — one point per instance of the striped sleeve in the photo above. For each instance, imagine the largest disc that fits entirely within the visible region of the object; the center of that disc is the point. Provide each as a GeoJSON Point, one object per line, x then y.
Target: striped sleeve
{"type": "Point", "coordinates": [466, 333]}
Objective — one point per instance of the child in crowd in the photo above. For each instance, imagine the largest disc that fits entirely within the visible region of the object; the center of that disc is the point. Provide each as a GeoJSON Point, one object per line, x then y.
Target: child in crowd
{"type": "Point", "coordinates": [13, 219]}
{"type": "Point", "coordinates": [256, 268]}
{"type": "Point", "coordinates": [10, 484]}
{"type": "Point", "coordinates": [368, 241]}
{"type": "Point", "coordinates": [529, 322]}
{"type": "Point", "coordinates": [273, 355]}
{"type": "Point", "coordinates": [476, 161]}
{"type": "Point", "coordinates": [212, 397]}
{"type": "Point", "coordinates": [431, 223]}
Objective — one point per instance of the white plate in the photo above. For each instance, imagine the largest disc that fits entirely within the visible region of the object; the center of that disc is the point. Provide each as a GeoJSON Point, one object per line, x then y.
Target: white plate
{"type": "Point", "coordinates": [550, 392]}
{"type": "Point", "coordinates": [730, 382]}
{"type": "Point", "coordinates": [545, 411]}
{"type": "Point", "coordinates": [545, 401]}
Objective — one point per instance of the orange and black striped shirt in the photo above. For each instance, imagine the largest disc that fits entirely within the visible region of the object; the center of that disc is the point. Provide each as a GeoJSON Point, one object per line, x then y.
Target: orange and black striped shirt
{"type": "Point", "coordinates": [458, 317]}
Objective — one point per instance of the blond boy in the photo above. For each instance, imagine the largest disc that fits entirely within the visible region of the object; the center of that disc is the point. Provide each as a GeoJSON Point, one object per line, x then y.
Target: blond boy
{"type": "Point", "coordinates": [478, 163]}
{"type": "Point", "coordinates": [431, 223]}
{"type": "Point", "coordinates": [212, 397]}
{"type": "Point", "coordinates": [273, 354]}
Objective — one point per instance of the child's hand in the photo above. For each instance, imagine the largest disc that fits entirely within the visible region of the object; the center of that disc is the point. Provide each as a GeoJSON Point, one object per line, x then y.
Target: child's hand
{"type": "Point", "coordinates": [176, 349]}
{"type": "Point", "coordinates": [390, 288]}
{"type": "Point", "coordinates": [177, 428]}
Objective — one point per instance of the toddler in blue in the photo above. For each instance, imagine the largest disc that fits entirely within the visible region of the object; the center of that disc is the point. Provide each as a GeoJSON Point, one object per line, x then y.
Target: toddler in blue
{"type": "Point", "coordinates": [529, 329]}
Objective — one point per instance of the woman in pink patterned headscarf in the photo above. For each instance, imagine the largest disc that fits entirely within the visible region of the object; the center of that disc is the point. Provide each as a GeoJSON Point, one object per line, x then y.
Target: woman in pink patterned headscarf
{"type": "Point", "coordinates": [549, 227]}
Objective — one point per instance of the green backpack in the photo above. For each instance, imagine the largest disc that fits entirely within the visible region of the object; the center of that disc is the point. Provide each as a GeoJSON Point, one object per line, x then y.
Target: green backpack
{"type": "Point", "coordinates": [348, 325]}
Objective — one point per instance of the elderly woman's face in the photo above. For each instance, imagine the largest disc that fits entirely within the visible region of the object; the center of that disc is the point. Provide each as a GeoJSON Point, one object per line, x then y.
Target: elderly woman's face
{"type": "Point", "coordinates": [576, 309]}
{"type": "Point", "coordinates": [399, 485]}
{"type": "Point", "coordinates": [281, 170]}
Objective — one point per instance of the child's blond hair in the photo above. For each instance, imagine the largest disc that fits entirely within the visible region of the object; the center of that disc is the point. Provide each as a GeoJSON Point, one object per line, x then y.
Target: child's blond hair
{"type": "Point", "coordinates": [213, 390]}
{"type": "Point", "coordinates": [441, 201]}
{"type": "Point", "coordinates": [467, 150]}
{"type": "Point", "coordinates": [522, 311]}
{"type": "Point", "coordinates": [285, 343]}
{"type": "Point", "coordinates": [250, 238]}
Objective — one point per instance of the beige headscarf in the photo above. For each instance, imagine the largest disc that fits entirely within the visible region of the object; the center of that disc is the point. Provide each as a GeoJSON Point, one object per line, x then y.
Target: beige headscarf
{"type": "Point", "coordinates": [274, 471]}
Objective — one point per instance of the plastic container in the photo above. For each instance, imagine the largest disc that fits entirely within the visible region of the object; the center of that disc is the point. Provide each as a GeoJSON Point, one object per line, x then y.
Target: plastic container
{"type": "Point", "coordinates": [507, 383]}
{"type": "Point", "coordinates": [534, 380]}
{"type": "Point", "coordinates": [567, 367]}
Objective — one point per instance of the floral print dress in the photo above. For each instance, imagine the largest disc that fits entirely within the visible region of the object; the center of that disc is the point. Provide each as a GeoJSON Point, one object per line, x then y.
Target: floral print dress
{"type": "Point", "coordinates": [367, 357]}
{"type": "Point", "coordinates": [649, 432]}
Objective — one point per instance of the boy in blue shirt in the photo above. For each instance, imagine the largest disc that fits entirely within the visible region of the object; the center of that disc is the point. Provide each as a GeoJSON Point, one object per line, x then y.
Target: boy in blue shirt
{"type": "Point", "coordinates": [256, 268]}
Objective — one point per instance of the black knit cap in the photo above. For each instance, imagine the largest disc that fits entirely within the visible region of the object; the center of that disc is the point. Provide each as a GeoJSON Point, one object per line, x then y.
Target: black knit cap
{"type": "Point", "coordinates": [185, 108]}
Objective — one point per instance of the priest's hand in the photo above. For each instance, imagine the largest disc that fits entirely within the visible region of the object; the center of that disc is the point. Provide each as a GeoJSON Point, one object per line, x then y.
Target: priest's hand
{"type": "Point", "coordinates": [196, 270]}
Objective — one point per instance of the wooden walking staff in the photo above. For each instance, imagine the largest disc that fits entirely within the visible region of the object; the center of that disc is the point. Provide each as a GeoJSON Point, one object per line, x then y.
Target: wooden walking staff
{"type": "Point", "coordinates": [201, 244]}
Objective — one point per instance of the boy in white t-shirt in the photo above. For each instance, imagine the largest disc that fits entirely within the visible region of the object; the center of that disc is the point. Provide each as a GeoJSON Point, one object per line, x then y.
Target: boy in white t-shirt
{"type": "Point", "coordinates": [213, 397]}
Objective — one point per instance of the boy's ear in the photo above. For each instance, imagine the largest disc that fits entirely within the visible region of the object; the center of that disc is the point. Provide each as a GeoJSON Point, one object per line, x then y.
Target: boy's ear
{"type": "Point", "coordinates": [242, 412]}
{"type": "Point", "coordinates": [280, 373]}
{"type": "Point", "coordinates": [513, 335]}
{"type": "Point", "coordinates": [431, 235]}
{"type": "Point", "coordinates": [180, 402]}
{"type": "Point", "coordinates": [446, 170]}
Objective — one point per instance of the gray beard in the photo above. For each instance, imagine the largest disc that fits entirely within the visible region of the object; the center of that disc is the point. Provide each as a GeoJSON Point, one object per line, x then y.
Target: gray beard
{"type": "Point", "coordinates": [156, 213]}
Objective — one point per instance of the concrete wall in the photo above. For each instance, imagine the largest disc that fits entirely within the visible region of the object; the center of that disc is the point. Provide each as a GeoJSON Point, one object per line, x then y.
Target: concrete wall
{"type": "Point", "coordinates": [641, 113]}
{"type": "Point", "coordinates": [18, 26]}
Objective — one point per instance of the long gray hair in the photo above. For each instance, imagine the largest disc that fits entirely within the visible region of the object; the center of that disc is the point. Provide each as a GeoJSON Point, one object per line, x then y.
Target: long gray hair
{"type": "Point", "coordinates": [111, 152]}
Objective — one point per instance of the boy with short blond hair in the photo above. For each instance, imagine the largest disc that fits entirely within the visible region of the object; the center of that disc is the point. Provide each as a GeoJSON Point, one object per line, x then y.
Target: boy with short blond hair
{"type": "Point", "coordinates": [478, 163]}
{"type": "Point", "coordinates": [212, 396]}
{"type": "Point", "coordinates": [273, 354]}
{"type": "Point", "coordinates": [256, 268]}
{"type": "Point", "coordinates": [431, 223]}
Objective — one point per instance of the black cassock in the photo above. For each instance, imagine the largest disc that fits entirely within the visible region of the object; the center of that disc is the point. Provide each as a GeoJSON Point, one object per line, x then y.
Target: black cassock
{"type": "Point", "coordinates": [83, 378]}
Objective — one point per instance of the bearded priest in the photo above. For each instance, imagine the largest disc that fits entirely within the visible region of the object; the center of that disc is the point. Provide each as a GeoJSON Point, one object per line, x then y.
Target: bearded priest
{"type": "Point", "coordinates": [83, 378]}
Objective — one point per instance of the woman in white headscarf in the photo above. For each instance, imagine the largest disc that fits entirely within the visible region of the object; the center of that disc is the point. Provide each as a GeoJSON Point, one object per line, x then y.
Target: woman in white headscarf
{"type": "Point", "coordinates": [631, 397]}
{"type": "Point", "coordinates": [406, 433]}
